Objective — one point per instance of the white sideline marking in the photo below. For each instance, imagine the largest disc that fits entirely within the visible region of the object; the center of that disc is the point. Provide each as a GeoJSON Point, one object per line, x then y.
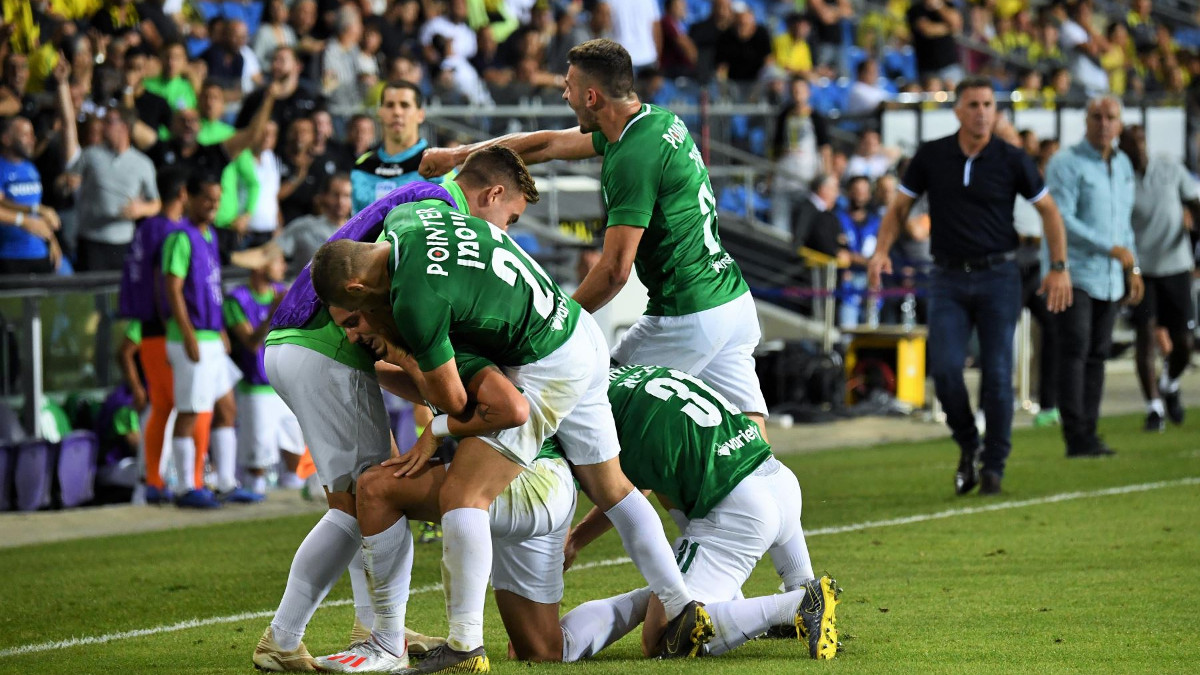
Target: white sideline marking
{"type": "Point", "coordinates": [435, 588]}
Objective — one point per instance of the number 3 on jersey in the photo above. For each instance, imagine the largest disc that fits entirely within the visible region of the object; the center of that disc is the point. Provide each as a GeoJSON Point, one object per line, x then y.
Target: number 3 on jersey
{"type": "Point", "coordinates": [699, 409]}
{"type": "Point", "coordinates": [708, 209]}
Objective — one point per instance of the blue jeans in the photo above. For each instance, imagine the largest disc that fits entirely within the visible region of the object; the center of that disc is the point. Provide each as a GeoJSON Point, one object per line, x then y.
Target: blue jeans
{"type": "Point", "coordinates": [988, 301]}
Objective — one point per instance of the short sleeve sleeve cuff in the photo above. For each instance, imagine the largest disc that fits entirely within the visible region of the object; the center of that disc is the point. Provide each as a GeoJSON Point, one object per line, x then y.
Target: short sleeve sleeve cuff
{"type": "Point", "coordinates": [436, 355]}
{"type": "Point", "coordinates": [1042, 193]}
{"type": "Point", "coordinates": [628, 217]}
{"type": "Point", "coordinates": [907, 190]}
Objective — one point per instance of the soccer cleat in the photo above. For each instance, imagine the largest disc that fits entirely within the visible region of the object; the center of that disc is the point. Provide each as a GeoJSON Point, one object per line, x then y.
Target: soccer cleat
{"type": "Point", "coordinates": [687, 633]}
{"type": "Point", "coordinates": [158, 495]}
{"type": "Point", "coordinates": [815, 620]}
{"type": "Point", "coordinates": [445, 659]}
{"type": "Point", "coordinates": [1175, 411]}
{"type": "Point", "coordinates": [966, 476]}
{"type": "Point", "coordinates": [430, 533]}
{"type": "Point", "coordinates": [198, 499]}
{"type": "Point", "coordinates": [1154, 422]}
{"type": "Point", "coordinates": [240, 495]}
{"type": "Point", "coordinates": [1048, 417]}
{"type": "Point", "coordinates": [363, 657]}
{"type": "Point", "coordinates": [419, 645]}
{"type": "Point", "coordinates": [268, 655]}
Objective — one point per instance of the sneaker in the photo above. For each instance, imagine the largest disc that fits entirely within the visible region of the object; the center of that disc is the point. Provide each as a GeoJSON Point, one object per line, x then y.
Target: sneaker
{"type": "Point", "coordinates": [1175, 411]}
{"type": "Point", "coordinates": [444, 658]}
{"type": "Point", "coordinates": [198, 499]}
{"type": "Point", "coordinates": [966, 477]}
{"type": "Point", "coordinates": [419, 645]}
{"type": "Point", "coordinates": [268, 655]}
{"type": "Point", "coordinates": [686, 633]}
{"type": "Point", "coordinates": [290, 481]}
{"type": "Point", "coordinates": [1047, 418]}
{"type": "Point", "coordinates": [430, 533]}
{"type": "Point", "coordinates": [1154, 422]}
{"type": "Point", "coordinates": [158, 495]}
{"type": "Point", "coordinates": [363, 657]}
{"type": "Point", "coordinates": [815, 620]}
{"type": "Point", "coordinates": [240, 495]}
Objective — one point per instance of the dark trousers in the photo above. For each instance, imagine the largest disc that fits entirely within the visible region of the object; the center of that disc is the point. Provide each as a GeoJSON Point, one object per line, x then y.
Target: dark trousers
{"type": "Point", "coordinates": [95, 256]}
{"type": "Point", "coordinates": [988, 302]}
{"type": "Point", "coordinates": [26, 266]}
{"type": "Point", "coordinates": [1031, 281]}
{"type": "Point", "coordinates": [1084, 340]}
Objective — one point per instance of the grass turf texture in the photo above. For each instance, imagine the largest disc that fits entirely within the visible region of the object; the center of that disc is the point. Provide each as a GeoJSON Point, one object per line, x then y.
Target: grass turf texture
{"type": "Point", "coordinates": [1097, 584]}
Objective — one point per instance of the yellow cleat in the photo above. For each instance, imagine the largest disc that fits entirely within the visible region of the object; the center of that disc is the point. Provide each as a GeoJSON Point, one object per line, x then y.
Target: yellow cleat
{"type": "Point", "coordinates": [815, 620]}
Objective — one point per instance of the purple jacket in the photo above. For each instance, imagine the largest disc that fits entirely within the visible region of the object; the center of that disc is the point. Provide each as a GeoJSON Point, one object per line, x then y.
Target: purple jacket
{"type": "Point", "coordinates": [251, 362]}
{"type": "Point", "coordinates": [301, 301]}
{"type": "Point", "coordinates": [202, 289]}
{"type": "Point", "coordinates": [141, 277]}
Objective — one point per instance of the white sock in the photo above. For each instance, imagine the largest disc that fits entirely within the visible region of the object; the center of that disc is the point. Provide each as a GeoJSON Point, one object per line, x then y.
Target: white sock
{"type": "Point", "coordinates": [184, 452]}
{"type": "Point", "coordinates": [256, 483]}
{"type": "Point", "coordinates": [1156, 405]}
{"type": "Point", "coordinates": [646, 543]}
{"type": "Point", "coordinates": [224, 457]}
{"type": "Point", "coordinates": [364, 613]}
{"type": "Point", "coordinates": [320, 560]}
{"type": "Point", "coordinates": [387, 558]}
{"type": "Point", "coordinates": [466, 566]}
{"type": "Point", "coordinates": [739, 621]}
{"type": "Point", "coordinates": [792, 562]}
{"type": "Point", "coordinates": [1166, 385]}
{"type": "Point", "coordinates": [595, 625]}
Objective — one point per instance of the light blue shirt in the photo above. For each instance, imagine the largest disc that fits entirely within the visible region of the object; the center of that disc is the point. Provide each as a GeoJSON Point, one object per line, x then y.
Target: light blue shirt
{"type": "Point", "coordinates": [1096, 201]}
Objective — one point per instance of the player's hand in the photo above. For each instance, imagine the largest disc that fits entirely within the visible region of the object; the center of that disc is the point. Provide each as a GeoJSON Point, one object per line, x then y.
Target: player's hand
{"type": "Point", "coordinates": [416, 460]}
{"type": "Point", "coordinates": [50, 217]}
{"type": "Point", "coordinates": [39, 228]}
{"type": "Point", "coordinates": [1056, 289]}
{"type": "Point", "coordinates": [54, 252]}
{"type": "Point", "coordinates": [192, 348]}
{"type": "Point", "coordinates": [877, 266]}
{"type": "Point", "coordinates": [1135, 288]}
{"type": "Point", "coordinates": [570, 552]}
{"type": "Point", "coordinates": [139, 397]}
{"type": "Point", "coordinates": [1123, 256]}
{"type": "Point", "coordinates": [241, 224]}
{"type": "Point", "coordinates": [436, 162]}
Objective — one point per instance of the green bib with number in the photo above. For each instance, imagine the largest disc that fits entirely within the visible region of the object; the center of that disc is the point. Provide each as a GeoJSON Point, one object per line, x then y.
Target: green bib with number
{"type": "Point", "coordinates": [460, 279]}
{"type": "Point", "coordinates": [681, 438]}
{"type": "Point", "coordinates": [654, 178]}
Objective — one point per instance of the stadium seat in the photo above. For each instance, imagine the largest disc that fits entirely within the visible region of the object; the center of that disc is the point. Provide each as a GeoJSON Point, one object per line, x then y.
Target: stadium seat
{"type": "Point", "coordinates": [8, 457]}
{"type": "Point", "coordinates": [899, 63]}
{"type": "Point", "coordinates": [34, 475]}
{"type": "Point", "coordinates": [527, 241]}
{"type": "Point", "coordinates": [854, 56]}
{"type": "Point", "coordinates": [76, 471]}
{"type": "Point", "coordinates": [208, 10]}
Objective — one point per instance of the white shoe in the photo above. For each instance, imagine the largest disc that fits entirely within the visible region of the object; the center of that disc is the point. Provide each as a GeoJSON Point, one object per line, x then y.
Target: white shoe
{"type": "Point", "coordinates": [363, 657]}
{"type": "Point", "coordinates": [290, 481]}
{"type": "Point", "coordinates": [419, 645]}
{"type": "Point", "coordinates": [268, 655]}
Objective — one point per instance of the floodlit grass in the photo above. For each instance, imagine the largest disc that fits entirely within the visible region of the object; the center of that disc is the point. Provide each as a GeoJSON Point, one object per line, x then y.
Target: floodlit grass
{"type": "Point", "coordinates": [1090, 584]}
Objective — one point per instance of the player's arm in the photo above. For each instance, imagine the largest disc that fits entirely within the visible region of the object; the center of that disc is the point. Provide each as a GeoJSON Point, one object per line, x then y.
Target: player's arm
{"type": "Point", "coordinates": [235, 144]}
{"type": "Point", "coordinates": [889, 232]}
{"type": "Point", "coordinates": [1193, 209]}
{"type": "Point", "coordinates": [533, 146]}
{"type": "Point", "coordinates": [594, 524]}
{"type": "Point", "coordinates": [248, 336]}
{"type": "Point", "coordinates": [1056, 287]}
{"type": "Point", "coordinates": [609, 275]}
{"type": "Point", "coordinates": [126, 353]}
{"type": "Point", "coordinates": [177, 253]}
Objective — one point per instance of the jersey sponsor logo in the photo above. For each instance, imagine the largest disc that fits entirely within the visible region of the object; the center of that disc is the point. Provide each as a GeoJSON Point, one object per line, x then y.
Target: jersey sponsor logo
{"type": "Point", "coordinates": [24, 189]}
{"type": "Point", "coordinates": [720, 264]}
{"type": "Point", "coordinates": [747, 435]}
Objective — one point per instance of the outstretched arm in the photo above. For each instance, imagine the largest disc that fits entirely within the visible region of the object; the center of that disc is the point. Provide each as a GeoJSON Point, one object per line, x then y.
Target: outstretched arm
{"type": "Point", "coordinates": [533, 146]}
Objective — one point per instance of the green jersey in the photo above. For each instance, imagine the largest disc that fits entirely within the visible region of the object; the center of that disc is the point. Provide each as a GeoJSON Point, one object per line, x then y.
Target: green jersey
{"type": "Point", "coordinates": [654, 178]}
{"type": "Point", "coordinates": [323, 336]}
{"type": "Point", "coordinates": [460, 282]}
{"type": "Point", "coordinates": [680, 438]}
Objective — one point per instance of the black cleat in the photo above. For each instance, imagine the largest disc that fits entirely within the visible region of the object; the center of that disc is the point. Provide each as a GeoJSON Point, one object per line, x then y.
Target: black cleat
{"type": "Point", "coordinates": [1154, 422]}
{"type": "Point", "coordinates": [444, 659]}
{"type": "Point", "coordinates": [989, 483]}
{"type": "Point", "coordinates": [966, 477]}
{"type": "Point", "coordinates": [687, 633]}
{"type": "Point", "coordinates": [1175, 411]}
{"type": "Point", "coordinates": [815, 619]}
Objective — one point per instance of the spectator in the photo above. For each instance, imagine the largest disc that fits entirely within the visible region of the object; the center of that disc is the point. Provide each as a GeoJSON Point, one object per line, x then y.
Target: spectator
{"type": "Point", "coordinates": [705, 34]}
{"type": "Point", "coordinates": [1083, 47]}
{"type": "Point", "coordinates": [174, 84]}
{"type": "Point", "coordinates": [972, 178]}
{"type": "Point", "coordinates": [866, 97]}
{"type": "Point", "coordinates": [302, 237]}
{"type": "Point", "coordinates": [152, 110]}
{"type": "Point", "coordinates": [116, 18]}
{"type": "Point", "coordinates": [826, 17]}
{"type": "Point", "coordinates": [790, 48]}
{"type": "Point", "coordinates": [934, 24]}
{"type": "Point", "coordinates": [14, 98]}
{"type": "Point", "coordinates": [568, 32]}
{"type": "Point", "coordinates": [450, 43]}
{"type": "Point", "coordinates": [814, 224]}
{"type": "Point", "coordinates": [400, 26]}
{"type": "Point", "coordinates": [1141, 24]}
{"type": "Point", "coordinates": [329, 154]}
{"type": "Point", "coordinates": [1029, 143]}
{"type": "Point", "coordinates": [117, 187]}
{"type": "Point", "coordinates": [360, 136]}
{"type": "Point", "coordinates": [1117, 57]}
{"type": "Point", "coordinates": [264, 218]}
{"type": "Point", "coordinates": [1045, 52]}
{"type": "Point", "coordinates": [801, 151]}
{"type": "Point", "coordinates": [274, 31]}
{"type": "Point", "coordinates": [213, 128]}
{"type": "Point", "coordinates": [636, 27]}
{"type": "Point", "coordinates": [743, 51]}
{"type": "Point", "coordinates": [1162, 188]}
{"type": "Point", "coordinates": [860, 231]}
{"type": "Point", "coordinates": [1094, 183]}
{"type": "Point", "coordinates": [27, 240]}
{"type": "Point", "coordinates": [679, 54]}
{"type": "Point", "coordinates": [295, 98]}
{"type": "Point", "coordinates": [309, 46]}
{"type": "Point", "coordinates": [346, 74]}
{"type": "Point", "coordinates": [226, 65]}
{"type": "Point", "coordinates": [185, 150]}
{"type": "Point", "coordinates": [871, 158]}
{"type": "Point", "coordinates": [299, 180]}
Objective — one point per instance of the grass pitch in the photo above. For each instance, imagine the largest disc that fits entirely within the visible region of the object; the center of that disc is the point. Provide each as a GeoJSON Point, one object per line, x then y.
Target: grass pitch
{"type": "Point", "coordinates": [1083, 565]}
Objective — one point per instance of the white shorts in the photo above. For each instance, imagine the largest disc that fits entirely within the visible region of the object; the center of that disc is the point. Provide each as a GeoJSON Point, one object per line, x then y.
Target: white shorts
{"type": "Point", "coordinates": [340, 410]}
{"type": "Point", "coordinates": [716, 345]}
{"type": "Point", "coordinates": [265, 426]}
{"type": "Point", "coordinates": [198, 384]}
{"type": "Point", "coordinates": [530, 521]}
{"type": "Point", "coordinates": [718, 552]}
{"type": "Point", "coordinates": [568, 395]}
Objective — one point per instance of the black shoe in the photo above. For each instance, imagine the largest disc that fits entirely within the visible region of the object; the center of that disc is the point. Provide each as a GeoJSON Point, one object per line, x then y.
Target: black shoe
{"type": "Point", "coordinates": [1096, 448]}
{"type": "Point", "coordinates": [1175, 409]}
{"type": "Point", "coordinates": [966, 477]}
{"type": "Point", "coordinates": [1154, 422]}
{"type": "Point", "coordinates": [989, 483]}
{"type": "Point", "coordinates": [687, 633]}
{"type": "Point", "coordinates": [443, 658]}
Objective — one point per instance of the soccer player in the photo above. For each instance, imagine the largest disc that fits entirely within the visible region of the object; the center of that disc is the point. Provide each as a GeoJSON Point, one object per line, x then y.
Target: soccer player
{"type": "Point", "coordinates": [330, 385]}
{"type": "Point", "coordinates": [662, 219]}
{"type": "Point", "coordinates": [265, 424]}
{"type": "Point", "coordinates": [393, 162]}
{"type": "Point", "coordinates": [203, 374]}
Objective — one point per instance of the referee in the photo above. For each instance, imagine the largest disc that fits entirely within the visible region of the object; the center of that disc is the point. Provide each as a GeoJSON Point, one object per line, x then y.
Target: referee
{"type": "Point", "coordinates": [973, 178]}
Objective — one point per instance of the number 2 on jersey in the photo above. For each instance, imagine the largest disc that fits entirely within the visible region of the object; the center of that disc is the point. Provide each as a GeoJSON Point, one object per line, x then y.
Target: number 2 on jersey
{"type": "Point", "coordinates": [507, 265]}
{"type": "Point", "coordinates": [708, 209]}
